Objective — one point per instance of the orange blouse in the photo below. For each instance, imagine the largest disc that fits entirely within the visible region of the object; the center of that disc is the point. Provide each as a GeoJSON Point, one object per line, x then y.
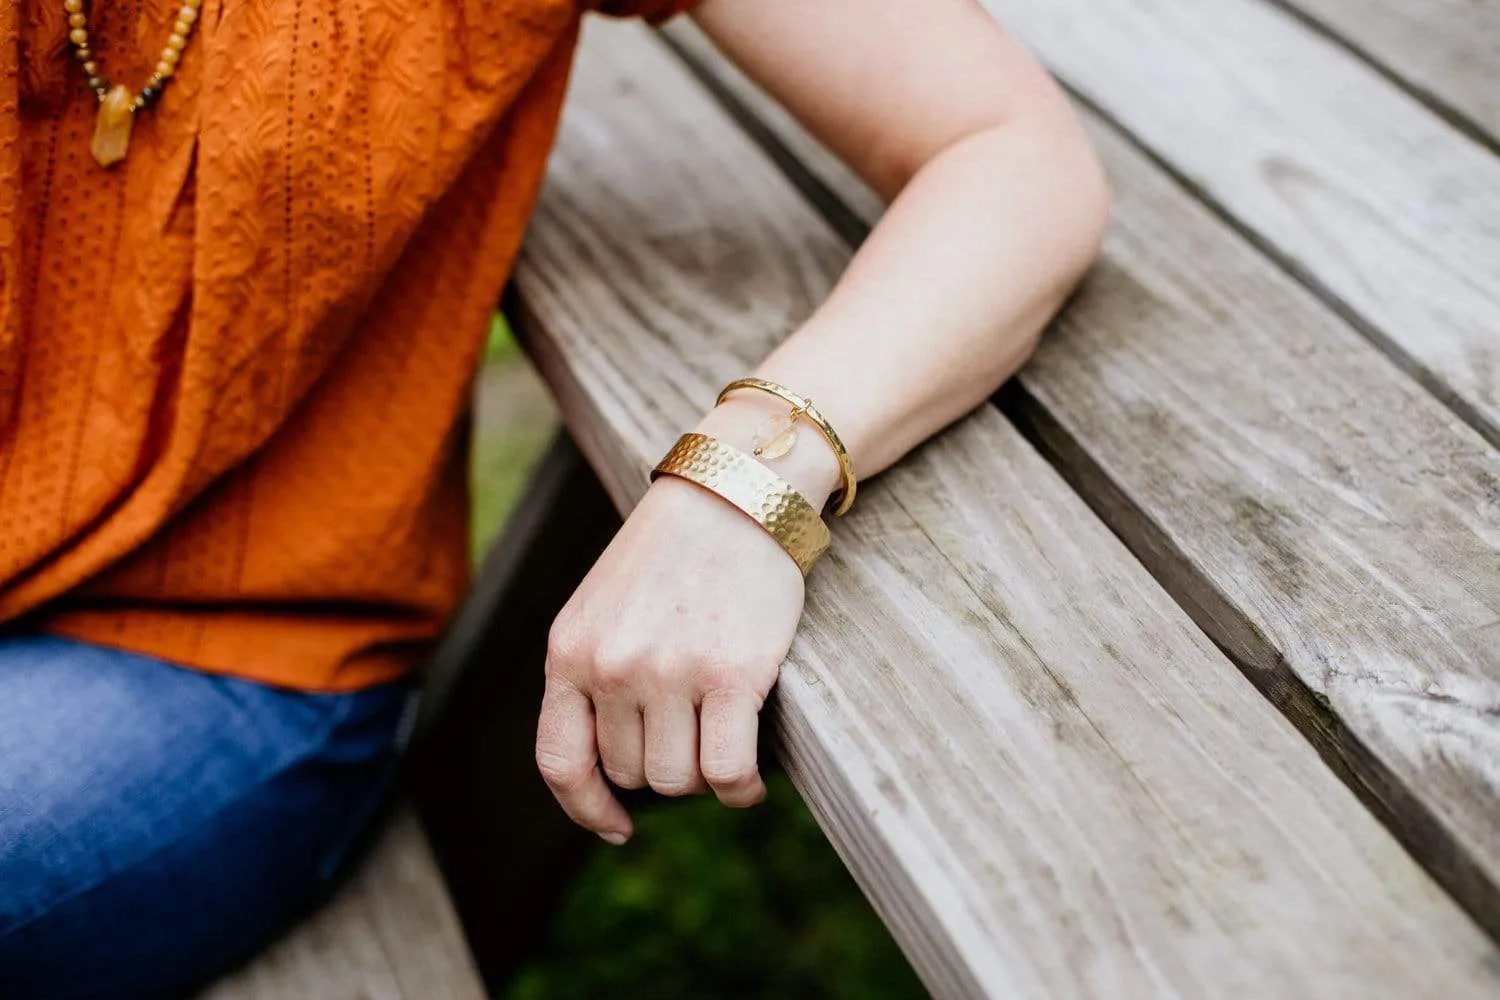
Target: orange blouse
{"type": "Point", "coordinates": [235, 368]}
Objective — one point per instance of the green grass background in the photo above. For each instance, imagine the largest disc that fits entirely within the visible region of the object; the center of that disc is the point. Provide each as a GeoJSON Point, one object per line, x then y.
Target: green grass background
{"type": "Point", "coordinates": [704, 902]}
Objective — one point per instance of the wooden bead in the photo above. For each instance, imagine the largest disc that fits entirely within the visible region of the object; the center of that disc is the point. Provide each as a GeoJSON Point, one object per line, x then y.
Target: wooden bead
{"type": "Point", "coordinates": [171, 54]}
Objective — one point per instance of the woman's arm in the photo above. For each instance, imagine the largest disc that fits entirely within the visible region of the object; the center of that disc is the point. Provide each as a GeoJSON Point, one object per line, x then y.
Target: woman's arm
{"type": "Point", "coordinates": [659, 664]}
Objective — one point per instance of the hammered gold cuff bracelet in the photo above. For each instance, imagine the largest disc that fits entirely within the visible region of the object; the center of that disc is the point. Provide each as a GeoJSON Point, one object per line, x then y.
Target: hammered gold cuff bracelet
{"type": "Point", "coordinates": [765, 497]}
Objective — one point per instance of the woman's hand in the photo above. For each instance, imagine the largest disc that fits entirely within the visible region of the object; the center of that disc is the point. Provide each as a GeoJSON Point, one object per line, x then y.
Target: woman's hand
{"type": "Point", "coordinates": [661, 661]}
{"type": "Point", "coordinates": [659, 664]}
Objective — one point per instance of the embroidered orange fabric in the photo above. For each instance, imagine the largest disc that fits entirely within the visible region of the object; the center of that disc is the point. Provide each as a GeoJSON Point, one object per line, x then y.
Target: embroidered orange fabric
{"type": "Point", "coordinates": [234, 369]}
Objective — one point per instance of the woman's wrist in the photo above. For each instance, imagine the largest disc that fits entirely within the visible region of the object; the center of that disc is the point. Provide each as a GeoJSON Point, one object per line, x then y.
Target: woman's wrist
{"type": "Point", "coordinates": [810, 466]}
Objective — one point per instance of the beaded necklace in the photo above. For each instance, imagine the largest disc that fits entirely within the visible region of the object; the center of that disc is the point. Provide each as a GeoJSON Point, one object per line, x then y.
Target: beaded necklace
{"type": "Point", "coordinates": [117, 105]}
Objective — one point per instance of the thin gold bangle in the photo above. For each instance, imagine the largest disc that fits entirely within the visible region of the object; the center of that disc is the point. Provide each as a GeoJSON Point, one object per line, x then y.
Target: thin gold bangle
{"type": "Point", "coordinates": [765, 497]}
{"type": "Point", "coordinates": [803, 407]}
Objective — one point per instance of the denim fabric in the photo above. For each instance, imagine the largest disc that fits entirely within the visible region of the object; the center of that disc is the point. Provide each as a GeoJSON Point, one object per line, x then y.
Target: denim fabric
{"type": "Point", "coordinates": [158, 824]}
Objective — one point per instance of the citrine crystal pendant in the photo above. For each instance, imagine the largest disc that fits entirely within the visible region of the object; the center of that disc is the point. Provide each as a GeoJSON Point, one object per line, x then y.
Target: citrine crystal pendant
{"type": "Point", "coordinates": [112, 127]}
{"type": "Point", "coordinates": [775, 437]}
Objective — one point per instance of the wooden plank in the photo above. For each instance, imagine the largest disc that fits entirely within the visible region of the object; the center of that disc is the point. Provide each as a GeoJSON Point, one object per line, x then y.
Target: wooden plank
{"type": "Point", "coordinates": [1324, 519]}
{"type": "Point", "coordinates": [388, 934]}
{"type": "Point", "coordinates": [1448, 51]}
{"type": "Point", "coordinates": [1354, 185]}
{"type": "Point", "coordinates": [1049, 782]}
{"type": "Point", "coordinates": [819, 174]}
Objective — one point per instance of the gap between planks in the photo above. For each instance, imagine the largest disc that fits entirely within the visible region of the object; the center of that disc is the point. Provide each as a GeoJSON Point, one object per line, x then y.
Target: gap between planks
{"type": "Point", "coordinates": [1445, 53]}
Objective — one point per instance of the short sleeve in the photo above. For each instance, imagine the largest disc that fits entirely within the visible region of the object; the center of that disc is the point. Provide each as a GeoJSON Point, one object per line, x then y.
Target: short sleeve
{"type": "Point", "coordinates": [655, 11]}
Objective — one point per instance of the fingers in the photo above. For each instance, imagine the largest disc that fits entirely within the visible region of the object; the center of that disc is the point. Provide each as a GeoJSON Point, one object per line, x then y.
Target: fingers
{"type": "Point", "coordinates": [565, 754]}
{"type": "Point", "coordinates": [672, 746]}
{"type": "Point", "coordinates": [622, 741]}
{"type": "Point", "coordinates": [727, 758]}
{"type": "Point", "coordinates": [622, 712]}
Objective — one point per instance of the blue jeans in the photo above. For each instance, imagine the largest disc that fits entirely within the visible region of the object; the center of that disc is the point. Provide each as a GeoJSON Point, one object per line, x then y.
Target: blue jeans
{"type": "Point", "coordinates": [158, 824]}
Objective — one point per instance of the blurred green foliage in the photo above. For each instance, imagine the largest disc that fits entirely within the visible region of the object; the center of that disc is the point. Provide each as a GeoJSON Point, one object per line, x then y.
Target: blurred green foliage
{"type": "Point", "coordinates": [708, 902]}
{"type": "Point", "coordinates": [500, 463]}
{"type": "Point", "coordinates": [704, 903]}
{"type": "Point", "coordinates": [509, 436]}
{"type": "Point", "coordinates": [500, 345]}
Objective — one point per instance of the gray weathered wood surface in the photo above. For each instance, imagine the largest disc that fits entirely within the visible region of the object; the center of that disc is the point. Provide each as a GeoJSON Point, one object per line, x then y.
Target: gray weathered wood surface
{"type": "Point", "coordinates": [1047, 779]}
{"type": "Point", "coordinates": [1349, 180]}
{"type": "Point", "coordinates": [1447, 50]}
{"type": "Point", "coordinates": [388, 934]}
{"type": "Point", "coordinates": [1325, 519]}
{"type": "Point", "coordinates": [1327, 522]}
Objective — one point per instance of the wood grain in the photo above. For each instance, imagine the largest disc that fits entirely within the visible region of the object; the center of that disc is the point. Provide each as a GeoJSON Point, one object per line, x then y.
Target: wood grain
{"type": "Point", "coordinates": [1446, 50]}
{"type": "Point", "coordinates": [1049, 782]}
{"type": "Point", "coordinates": [1352, 183]}
{"type": "Point", "coordinates": [1324, 520]}
{"type": "Point", "coordinates": [388, 934]}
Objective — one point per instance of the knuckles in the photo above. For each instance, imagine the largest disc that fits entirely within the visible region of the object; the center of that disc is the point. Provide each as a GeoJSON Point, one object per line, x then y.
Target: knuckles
{"type": "Point", "coordinates": [565, 642]}
{"type": "Point", "coordinates": [675, 785]}
{"type": "Point", "coordinates": [729, 774]}
{"type": "Point", "coordinates": [657, 672]}
{"type": "Point", "coordinates": [623, 779]}
{"type": "Point", "coordinates": [615, 664]}
{"type": "Point", "coordinates": [613, 667]}
{"type": "Point", "coordinates": [559, 772]}
{"type": "Point", "coordinates": [718, 674]}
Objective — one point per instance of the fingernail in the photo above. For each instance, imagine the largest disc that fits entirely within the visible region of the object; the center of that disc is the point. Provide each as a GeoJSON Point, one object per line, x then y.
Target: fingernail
{"type": "Point", "coordinates": [617, 839]}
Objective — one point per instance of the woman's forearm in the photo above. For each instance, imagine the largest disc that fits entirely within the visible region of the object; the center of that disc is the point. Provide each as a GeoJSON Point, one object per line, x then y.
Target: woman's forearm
{"type": "Point", "coordinates": [662, 659]}
{"type": "Point", "coordinates": [944, 301]}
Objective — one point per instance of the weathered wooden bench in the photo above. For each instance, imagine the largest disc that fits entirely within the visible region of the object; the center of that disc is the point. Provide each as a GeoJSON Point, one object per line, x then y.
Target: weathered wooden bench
{"type": "Point", "coordinates": [1177, 671]}
{"type": "Point", "coordinates": [389, 933]}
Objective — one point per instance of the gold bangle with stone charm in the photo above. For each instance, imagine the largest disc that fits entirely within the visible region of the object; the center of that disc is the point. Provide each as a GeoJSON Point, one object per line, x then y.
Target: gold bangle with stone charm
{"type": "Point", "coordinates": [761, 494]}
{"type": "Point", "coordinates": [778, 435]}
{"type": "Point", "coordinates": [117, 105]}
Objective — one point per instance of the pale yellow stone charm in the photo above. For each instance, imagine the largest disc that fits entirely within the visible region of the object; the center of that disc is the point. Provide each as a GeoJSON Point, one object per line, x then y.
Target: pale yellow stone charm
{"type": "Point", "coordinates": [112, 127]}
{"type": "Point", "coordinates": [776, 437]}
